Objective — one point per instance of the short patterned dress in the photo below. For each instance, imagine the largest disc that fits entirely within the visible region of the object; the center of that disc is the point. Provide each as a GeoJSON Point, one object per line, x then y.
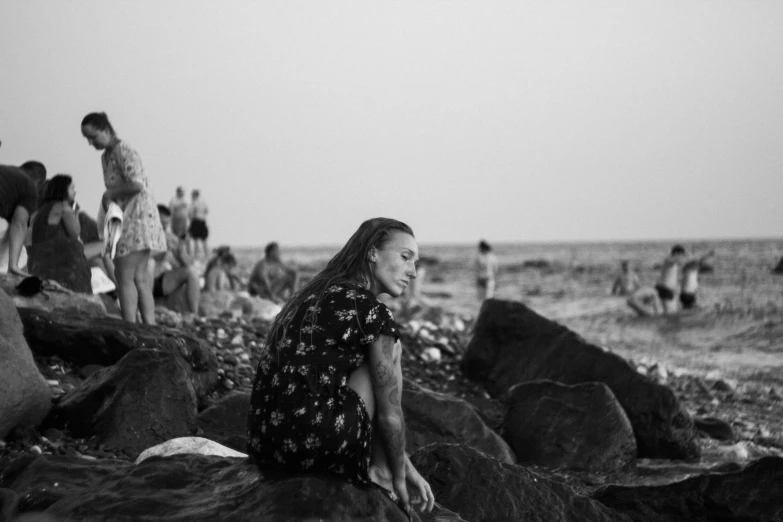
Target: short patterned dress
{"type": "Point", "coordinates": [303, 416]}
{"type": "Point", "coordinates": [141, 227]}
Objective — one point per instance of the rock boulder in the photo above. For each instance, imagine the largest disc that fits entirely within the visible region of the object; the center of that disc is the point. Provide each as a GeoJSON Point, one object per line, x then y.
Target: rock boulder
{"type": "Point", "coordinates": [225, 422]}
{"type": "Point", "coordinates": [145, 399]}
{"type": "Point", "coordinates": [580, 427]}
{"type": "Point", "coordinates": [73, 302]}
{"type": "Point", "coordinates": [85, 340]}
{"type": "Point", "coordinates": [512, 344]}
{"type": "Point", "coordinates": [25, 398]}
{"type": "Point", "coordinates": [484, 489]}
{"type": "Point", "coordinates": [754, 493]}
{"type": "Point", "coordinates": [187, 488]}
{"type": "Point", "coordinates": [436, 417]}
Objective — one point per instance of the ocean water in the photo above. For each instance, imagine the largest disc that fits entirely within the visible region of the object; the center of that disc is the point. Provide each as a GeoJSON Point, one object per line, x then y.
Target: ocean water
{"type": "Point", "coordinates": [576, 277]}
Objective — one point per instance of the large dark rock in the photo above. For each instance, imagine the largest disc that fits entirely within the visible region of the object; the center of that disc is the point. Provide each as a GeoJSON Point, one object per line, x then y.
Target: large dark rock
{"type": "Point", "coordinates": [187, 488]}
{"type": "Point", "coordinates": [435, 417]}
{"type": "Point", "coordinates": [25, 398]}
{"type": "Point", "coordinates": [752, 494]}
{"type": "Point", "coordinates": [85, 340]}
{"type": "Point", "coordinates": [512, 344]}
{"type": "Point", "coordinates": [581, 427]}
{"type": "Point", "coordinates": [226, 421]}
{"type": "Point", "coordinates": [63, 260]}
{"type": "Point", "coordinates": [480, 488]}
{"type": "Point", "coordinates": [145, 399]}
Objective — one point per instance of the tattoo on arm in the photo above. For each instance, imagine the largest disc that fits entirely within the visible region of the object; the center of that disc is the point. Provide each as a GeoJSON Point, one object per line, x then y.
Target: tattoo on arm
{"type": "Point", "coordinates": [384, 374]}
{"type": "Point", "coordinates": [394, 395]}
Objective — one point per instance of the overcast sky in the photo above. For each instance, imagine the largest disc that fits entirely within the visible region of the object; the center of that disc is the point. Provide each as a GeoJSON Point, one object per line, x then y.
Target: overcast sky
{"type": "Point", "coordinates": [511, 121]}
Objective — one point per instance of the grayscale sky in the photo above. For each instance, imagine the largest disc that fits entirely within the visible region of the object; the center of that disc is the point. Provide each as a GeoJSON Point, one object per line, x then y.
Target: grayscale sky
{"type": "Point", "coordinates": [512, 121]}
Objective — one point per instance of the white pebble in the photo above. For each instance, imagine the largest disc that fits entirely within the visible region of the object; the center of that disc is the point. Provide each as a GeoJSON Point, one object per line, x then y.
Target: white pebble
{"type": "Point", "coordinates": [237, 340]}
{"type": "Point", "coordinates": [221, 333]}
{"type": "Point", "coordinates": [431, 354]}
{"type": "Point", "coordinates": [36, 449]}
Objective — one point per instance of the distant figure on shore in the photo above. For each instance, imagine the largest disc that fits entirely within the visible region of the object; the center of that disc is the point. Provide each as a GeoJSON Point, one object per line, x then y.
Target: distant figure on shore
{"type": "Point", "coordinates": [690, 280]}
{"type": "Point", "coordinates": [627, 281]}
{"type": "Point", "coordinates": [271, 279]}
{"type": "Point", "coordinates": [179, 214]}
{"type": "Point", "coordinates": [328, 389]}
{"type": "Point", "coordinates": [199, 232]}
{"type": "Point", "coordinates": [142, 234]}
{"type": "Point", "coordinates": [673, 289]}
{"type": "Point", "coordinates": [18, 202]}
{"type": "Point", "coordinates": [221, 275]}
{"type": "Point", "coordinates": [486, 271]}
{"type": "Point", "coordinates": [668, 285]}
{"type": "Point", "coordinates": [174, 268]}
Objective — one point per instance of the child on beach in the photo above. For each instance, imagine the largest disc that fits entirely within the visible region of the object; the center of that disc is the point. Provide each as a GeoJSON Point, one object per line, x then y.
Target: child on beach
{"type": "Point", "coordinates": [486, 271]}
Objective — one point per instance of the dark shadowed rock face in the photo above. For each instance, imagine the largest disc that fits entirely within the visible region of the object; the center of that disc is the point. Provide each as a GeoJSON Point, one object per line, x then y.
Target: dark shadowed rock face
{"type": "Point", "coordinates": [226, 421]}
{"type": "Point", "coordinates": [188, 488]}
{"type": "Point", "coordinates": [84, 340]}
{"type": "Point", "coordinates": [435, 417]}
{"type": "Point", "coordinates": [480, 488]}
{"type": "Point", "coordinates": [580, 427]}
{"type": "Point", "coordinates": [25, 398]}
{"type": "Point", "coordinates": [512, 344]}
{"type": "Point", "coordinates": [63, 260]}
{"type": "Point", "coordinates": [143, 400]}
{"type": "Point", "coordinates": [752, 494]}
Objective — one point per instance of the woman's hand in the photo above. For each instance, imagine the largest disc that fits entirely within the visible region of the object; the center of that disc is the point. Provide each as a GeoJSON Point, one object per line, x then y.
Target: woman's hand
{"type": "Point", "coordinates": [401, 489]}
{"type": "Point", "coordinates": [421, 493]}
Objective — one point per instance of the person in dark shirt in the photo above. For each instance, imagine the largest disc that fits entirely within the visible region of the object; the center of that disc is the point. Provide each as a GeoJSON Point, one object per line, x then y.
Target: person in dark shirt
{"type": "Point", "coordinates": [18, 202]}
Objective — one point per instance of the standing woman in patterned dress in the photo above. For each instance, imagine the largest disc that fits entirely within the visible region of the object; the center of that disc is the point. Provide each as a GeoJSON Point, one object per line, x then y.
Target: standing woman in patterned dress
{"type": "Point", "coordinates": [142, 233]}
{"type": "Point", "coordinates": [328, 389]}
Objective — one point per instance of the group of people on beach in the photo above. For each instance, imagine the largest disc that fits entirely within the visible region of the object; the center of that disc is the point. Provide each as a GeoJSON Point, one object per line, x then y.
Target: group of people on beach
{"type": "Point", "coordinates": [328, 389]}
{"type": "Point", "coordinates": [675, 289]}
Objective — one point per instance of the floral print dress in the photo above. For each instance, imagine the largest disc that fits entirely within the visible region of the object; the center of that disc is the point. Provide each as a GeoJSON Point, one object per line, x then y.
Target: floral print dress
{"type": "Point", "coordinates": [141, 227]}
{"type": "Point", "coordinates": [303, 416]}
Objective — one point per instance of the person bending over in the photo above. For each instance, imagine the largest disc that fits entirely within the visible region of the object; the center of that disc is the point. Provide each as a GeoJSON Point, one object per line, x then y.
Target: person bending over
{"type": "Point", "coordinates": [174, 268]}
{"type": "Point", "coordinates": [328, 388]}
{"type": "Point", "coordinates": [271, 279]}
{"type": "Point", "coordinates": [142, 235]}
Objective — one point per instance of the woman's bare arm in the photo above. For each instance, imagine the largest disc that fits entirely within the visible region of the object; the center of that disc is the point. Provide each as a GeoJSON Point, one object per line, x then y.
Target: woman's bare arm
{"type": "Point", "coordinates": [386, 374]}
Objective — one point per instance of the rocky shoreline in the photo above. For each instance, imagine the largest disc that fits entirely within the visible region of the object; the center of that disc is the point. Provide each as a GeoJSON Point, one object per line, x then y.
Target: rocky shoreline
{"type": "Point", "coordinates": [117, 389]}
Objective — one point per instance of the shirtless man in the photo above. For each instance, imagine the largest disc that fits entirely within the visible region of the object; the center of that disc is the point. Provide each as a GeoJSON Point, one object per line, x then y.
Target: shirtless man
{"type": "Point", "coordinates": [668, 285]}
{"type": "Point", "coordinates": [271, 279]}
{"type": "Point", "coordinates": [175, 268]}
{"type": "Point", "coordinates": [627, 282]}
{"type": "Point", "coordinates": [690, 280]}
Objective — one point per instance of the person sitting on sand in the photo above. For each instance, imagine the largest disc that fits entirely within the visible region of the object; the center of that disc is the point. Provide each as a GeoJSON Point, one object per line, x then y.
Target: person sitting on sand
{"type": "Point", "coordinates": [56, 217]}
{"type": "Point", "coordinates": [174, 268]}
{"type": "Point", "coordinates": [690, 280]}
{"type": "Point", "coordinates": [271, 279]}
{"type": "Point", "coordinates": [221, 275]}
{"type": "Point", "coordinates": [486, 271]}
{"type": "Point", "coordinates": [627, 281]}
{"type": "Point", "coordinates": [328, 388]}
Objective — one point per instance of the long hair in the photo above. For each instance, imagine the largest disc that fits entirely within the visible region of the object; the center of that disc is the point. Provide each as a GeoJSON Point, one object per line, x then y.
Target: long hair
{"type": "Point", "coordinates": [56, 189]}
{"type": "Point", "coordinates": [350, 264]}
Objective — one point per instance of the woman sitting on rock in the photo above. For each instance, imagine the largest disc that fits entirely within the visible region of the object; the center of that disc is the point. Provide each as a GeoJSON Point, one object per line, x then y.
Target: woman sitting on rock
{"type": "Point", "coordinates": [331, 374]}
{"type": "Point", "coordinates": [56, 217]}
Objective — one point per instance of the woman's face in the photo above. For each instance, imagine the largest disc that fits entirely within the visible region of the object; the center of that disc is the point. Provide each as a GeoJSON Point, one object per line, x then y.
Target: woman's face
{"type": "Point", "coordinates": [394, 264]}
{"type": "Point", "coordinates": [100, 139]}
